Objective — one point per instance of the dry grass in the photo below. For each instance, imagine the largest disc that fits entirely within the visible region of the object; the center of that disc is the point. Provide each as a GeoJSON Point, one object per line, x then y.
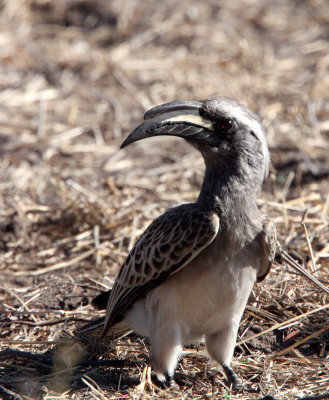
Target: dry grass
{"type": "Point", "coordinates": [75, 77]}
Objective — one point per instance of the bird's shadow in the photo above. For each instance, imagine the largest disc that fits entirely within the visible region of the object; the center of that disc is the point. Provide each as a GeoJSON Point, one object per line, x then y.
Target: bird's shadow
{"type": "Point", "coordinates": [66, 368]}
{"type": "Point", "coordinates": [63, 368]}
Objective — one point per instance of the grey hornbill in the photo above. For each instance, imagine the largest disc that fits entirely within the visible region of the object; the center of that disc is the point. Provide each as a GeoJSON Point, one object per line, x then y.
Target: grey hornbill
{"type": "Point", "coordinates": [191, 272]}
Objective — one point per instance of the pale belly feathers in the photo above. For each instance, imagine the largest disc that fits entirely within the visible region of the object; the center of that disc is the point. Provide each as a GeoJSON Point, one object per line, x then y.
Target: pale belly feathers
{"type": "Point", "coordinates": [204, 297]}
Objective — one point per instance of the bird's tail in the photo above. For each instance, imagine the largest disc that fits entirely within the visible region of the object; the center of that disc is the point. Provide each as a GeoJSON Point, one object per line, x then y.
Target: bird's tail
{"type": "Point", "coordinates": [92, 328]}
{"type": "Point", "coordinates": [101, 300]}
{"type": "Point", "coordinates": [96, 327]}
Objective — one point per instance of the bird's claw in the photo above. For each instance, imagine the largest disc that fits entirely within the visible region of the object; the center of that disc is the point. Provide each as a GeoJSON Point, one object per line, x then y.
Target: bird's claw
{"type": "Point", "coordinates": [241, 388]}
{"type": "Point", "coordinates": [168, 383]}
{"type": "Point", "coordinates": [235, 383]}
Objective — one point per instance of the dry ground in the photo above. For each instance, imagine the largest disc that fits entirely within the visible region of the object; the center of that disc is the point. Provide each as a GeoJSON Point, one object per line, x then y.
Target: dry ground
{"type": "Point", "coordinates": [76, 77]}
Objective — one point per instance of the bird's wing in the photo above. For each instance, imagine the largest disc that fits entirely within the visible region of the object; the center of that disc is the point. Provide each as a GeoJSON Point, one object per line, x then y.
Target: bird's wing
{"type": "Point", "coordinates": [268, 243]}
{"type": "Point", "coordinates": [166, 246]}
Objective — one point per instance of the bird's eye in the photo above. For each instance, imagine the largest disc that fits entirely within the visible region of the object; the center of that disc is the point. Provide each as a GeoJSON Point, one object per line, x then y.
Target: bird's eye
{"type": "Point", "coordinates": [225, 124]}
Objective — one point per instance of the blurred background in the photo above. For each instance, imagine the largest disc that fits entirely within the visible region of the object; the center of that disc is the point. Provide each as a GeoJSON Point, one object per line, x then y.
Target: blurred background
{"type": "Point", "coordinates": [76, 76]}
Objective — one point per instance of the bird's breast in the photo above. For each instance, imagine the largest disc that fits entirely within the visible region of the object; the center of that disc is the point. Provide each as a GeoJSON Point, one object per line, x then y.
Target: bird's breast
{"type": "Point", "coordinates": [204, 296]}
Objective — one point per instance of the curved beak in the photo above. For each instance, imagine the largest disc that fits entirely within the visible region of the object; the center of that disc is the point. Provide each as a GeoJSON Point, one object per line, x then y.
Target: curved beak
{"type": "Point", "coordinates": [178, 118]}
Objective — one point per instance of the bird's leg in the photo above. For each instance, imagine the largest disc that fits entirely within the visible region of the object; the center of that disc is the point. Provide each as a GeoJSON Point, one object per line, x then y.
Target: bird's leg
{"type": "Point", "coordinates": [165, 355]}
{"type": "Point", "coordinates": [220, 347]}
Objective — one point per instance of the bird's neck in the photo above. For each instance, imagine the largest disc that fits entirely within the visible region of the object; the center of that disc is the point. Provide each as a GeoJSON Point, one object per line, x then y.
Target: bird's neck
{"type": "Point", "coordinates": [233, 198]}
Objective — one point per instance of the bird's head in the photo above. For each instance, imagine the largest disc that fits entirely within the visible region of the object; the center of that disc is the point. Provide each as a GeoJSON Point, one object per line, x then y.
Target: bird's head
{"type": "Point", "coordinates": [228, 134]}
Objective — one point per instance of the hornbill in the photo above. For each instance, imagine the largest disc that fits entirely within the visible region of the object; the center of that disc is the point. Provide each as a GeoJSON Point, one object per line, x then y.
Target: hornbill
{"type": "Point", "coordinates": [191, 272]}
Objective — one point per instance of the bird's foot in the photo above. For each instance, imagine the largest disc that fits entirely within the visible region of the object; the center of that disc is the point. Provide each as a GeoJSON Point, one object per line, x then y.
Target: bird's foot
{"type": "Point", "coordinates": [148, 382]}
{"type": "Point", "coordinates": [168, 383]}
{"type": "Point", "coordinates": [234, 381]}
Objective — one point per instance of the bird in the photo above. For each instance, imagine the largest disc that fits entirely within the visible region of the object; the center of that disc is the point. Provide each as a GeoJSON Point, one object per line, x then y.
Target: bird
{"type": "Point", "coordinates": [190, 274]}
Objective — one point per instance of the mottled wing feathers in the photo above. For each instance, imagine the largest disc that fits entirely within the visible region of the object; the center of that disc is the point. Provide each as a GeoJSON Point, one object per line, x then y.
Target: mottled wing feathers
{"type": "Point", "coordinates": [166, 246]}
{"type": "Point", "coordinates": [268, 243]}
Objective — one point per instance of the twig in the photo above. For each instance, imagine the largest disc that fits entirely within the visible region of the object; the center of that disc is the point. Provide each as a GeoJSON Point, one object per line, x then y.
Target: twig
{"type": "Point", "coordinates": [292, 263]}
{"type": "Point", "coordinates": [94, 387]}
{"type": "Point", "coordinates": [281, 324]}
{"type": "Point", "coordinates": [285, 190]}
{"type": "Point", "coordinates": [45, 323]}
{"type": "Point", "coordinates": [293, 346]}
{"type": "Point", "coordinates": [16, 354]}
{"type": "Point", "coordinates": [322, 396]}
{"type": "Point", "coordinates": [308, 240]}
{"type": "Point", "coordinates": [92, 197]}
{"type": "Point", "coordinates": [325, 208]}
{"type": "Point", "coordinates": [57, 266]}
{"type": "Point", "coordinates": [10, 393]}
{"type": "Point", "coordinates": [31, 342]}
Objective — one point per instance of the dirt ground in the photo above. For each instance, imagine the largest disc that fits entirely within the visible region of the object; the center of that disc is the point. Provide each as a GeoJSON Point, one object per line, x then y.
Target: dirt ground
{"type": "Point", "coordinates": [76, 77]}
